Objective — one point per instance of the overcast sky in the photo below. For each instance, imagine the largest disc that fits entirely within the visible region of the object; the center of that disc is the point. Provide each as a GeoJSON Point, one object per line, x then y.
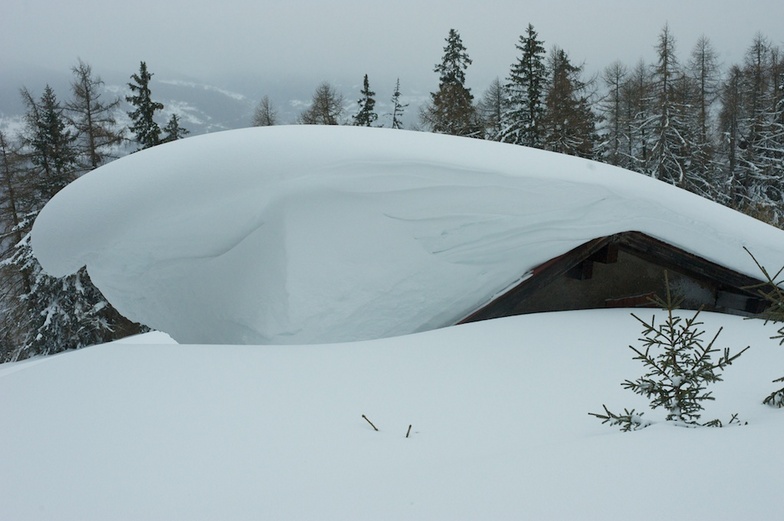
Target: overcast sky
{"type": "Point", "coordinates": [345, 38]}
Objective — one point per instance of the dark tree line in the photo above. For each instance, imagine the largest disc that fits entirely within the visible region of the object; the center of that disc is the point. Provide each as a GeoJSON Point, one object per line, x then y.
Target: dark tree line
{"type": "Point", "coordinates": [688, 123]}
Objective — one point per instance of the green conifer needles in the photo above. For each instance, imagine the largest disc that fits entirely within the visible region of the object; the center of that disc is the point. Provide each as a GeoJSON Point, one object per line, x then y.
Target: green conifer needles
{"type": "Point", "coordinates": [679, 368]}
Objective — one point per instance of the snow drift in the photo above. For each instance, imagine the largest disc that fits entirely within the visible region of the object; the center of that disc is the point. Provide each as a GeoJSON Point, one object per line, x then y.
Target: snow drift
{"type": "Point", "coordinates": [500, 430]}
{"type": "Point", "coordinates": [323, 234]}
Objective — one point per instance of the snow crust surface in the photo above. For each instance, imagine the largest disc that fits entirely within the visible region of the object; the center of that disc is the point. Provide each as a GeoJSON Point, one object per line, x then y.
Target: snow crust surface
{"type": "Point", "coordinates": [324, 234]}
{"type": "Point", "coordinates": [499, 415]}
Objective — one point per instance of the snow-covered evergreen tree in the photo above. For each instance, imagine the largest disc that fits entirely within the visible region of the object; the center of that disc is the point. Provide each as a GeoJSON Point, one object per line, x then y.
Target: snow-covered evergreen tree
{"type": "Point", "coordinates": [752, 133]}
{"type": "Point", "coordinates": [525, 87]}
{"type": "Point", "coordinates": [48, 314]}
{"type": "Point", "coordinates": [147, 131]}
{"type": "Point", "coordinates": [366, 115]}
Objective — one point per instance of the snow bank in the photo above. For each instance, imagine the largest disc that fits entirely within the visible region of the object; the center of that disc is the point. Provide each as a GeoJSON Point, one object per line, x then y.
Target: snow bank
{"type": "Point", "coordinates": [499, 415]}
{"type": "Point", "coordinates": [323, 234]}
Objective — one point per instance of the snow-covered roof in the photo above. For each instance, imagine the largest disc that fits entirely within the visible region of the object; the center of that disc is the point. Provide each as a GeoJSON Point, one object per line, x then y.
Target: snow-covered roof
{"type": "Point", "coordinates": [312, 234]}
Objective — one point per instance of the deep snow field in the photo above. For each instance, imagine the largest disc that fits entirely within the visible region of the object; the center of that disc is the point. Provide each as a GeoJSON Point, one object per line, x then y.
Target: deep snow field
{"type": "Point", "coordinates": [145, 429]}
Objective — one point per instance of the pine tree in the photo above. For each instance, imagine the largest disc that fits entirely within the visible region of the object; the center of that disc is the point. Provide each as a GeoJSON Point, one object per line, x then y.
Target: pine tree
{"type": "Point", "coordinates": [366, 115]}
{"type": "Point", "coordinates": [173, 131]}
{"type": "Point", "coordinates": [326, 107]}
{"type": "Point", "coordinates": [97, 132]}
{"type": "Point", "coordinates": [525, 93]}
{"type": "Point", "coordinates": [147, 131]}
{"type": "Point", "coordinates": [265, 114]}
{"type": "Point", "coordinates": [451, 109]}
{"type": "Point", "coordinates": [568, 124]}
{"type": "Point", "coordinates": [397, 107]}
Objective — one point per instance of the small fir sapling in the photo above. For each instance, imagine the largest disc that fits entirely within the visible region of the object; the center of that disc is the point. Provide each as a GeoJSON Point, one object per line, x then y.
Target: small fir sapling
{"type": "Point", "coordinates": [770, 290]}
{"type": "Point", "coordinates": [679, 368]}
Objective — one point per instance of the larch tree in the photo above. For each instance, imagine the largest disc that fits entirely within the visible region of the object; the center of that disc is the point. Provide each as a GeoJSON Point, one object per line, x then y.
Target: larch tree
{"type": "Point", "coordinates": [326, 107]}
{"type": "Point", "coordinates": [611, 109]}
{"type": "Point", "coordinates": [703, 69]}
{"type": "Point", "coordinates": [144, 127]}
{"type": "Point", "coordinates": [525, 93]}
{"type": "Point", "coordinates": [637, 94]}
{"type": "Point", "coordinates": [451, 109]}
{"type": "Point", "coordinates": [265, 114]}
{"type": "Point", "coordinates": [757, 168]}
{"type": "Point", "coordinates": [491, 109]}
{"type": "Point", "coordinates": [13, 283]}
{"type": "Point", "coordinates": [98, 135]}
{"type": "Point", "coordinates": [366, 113]}
{"type": "Point", "coordinates": [670, 150]}
{"type": "Point", "coordinates": [734, 179]}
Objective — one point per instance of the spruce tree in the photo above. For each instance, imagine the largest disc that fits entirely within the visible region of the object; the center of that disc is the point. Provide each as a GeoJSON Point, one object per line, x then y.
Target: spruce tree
{"type": "Point", "coordinates": [366, 115]}
{"type": "Point", "coordinates": [679, 368]}
{"type": "Point", "coordinates": [525, 93]}
{"type": "Point", "coordinates": [147, 131]}
{"type": "Point", "coordinates": [173, 131]}
{"type": "Point", "coordinates": [397, 107]}
{"type": "Point", "coordinates": [568, 124]}
{"type": "Point", "coordinates": [451, 109]}
{"type": "Point", "coordinates": [52, 149]}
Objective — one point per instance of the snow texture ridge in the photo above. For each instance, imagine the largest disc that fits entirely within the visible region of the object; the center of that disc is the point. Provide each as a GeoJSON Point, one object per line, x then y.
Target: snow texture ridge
{"type": "Point", "coordinates": [308, 234]}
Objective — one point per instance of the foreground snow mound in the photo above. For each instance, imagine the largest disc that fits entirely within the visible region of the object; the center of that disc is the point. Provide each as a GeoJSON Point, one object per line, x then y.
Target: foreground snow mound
{"type": "Point", "coordinates": [499, 416]}
{"type": "Point", "coordinates": [321, 234]}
